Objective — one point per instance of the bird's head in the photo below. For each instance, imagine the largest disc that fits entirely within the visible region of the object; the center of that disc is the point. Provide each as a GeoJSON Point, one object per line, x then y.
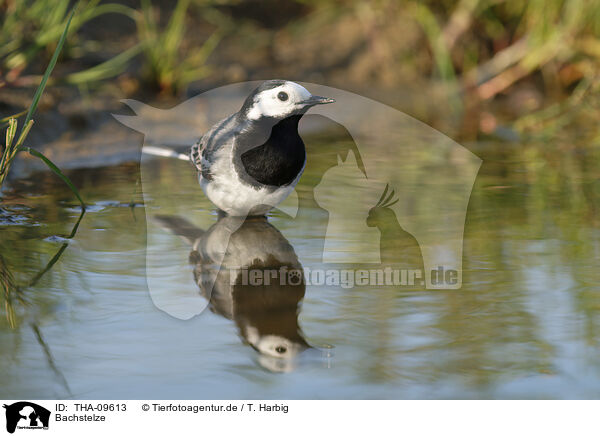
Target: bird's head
{"type": "Point", "coordinates": [280, 99]}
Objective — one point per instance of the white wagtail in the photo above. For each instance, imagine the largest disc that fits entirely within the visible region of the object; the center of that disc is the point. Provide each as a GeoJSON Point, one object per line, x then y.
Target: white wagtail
{"type": "Point", "coordinates": [251, 161]}
{"type": "Point", "coordinates": [266, 312]}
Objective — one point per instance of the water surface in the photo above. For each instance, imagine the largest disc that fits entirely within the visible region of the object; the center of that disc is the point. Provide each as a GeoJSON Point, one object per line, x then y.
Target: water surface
{"type": "Point", "coordinates": [524, 325]}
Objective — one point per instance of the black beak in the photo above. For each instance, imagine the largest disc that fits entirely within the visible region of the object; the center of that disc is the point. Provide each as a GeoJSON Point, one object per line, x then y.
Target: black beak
{"type": "Point", "coordinates": [315, 99]}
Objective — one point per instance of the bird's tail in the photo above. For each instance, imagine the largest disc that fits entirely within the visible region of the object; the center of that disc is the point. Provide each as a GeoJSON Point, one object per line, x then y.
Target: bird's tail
{"type": "Point", "coordinates": [179, 226]}
{"type": "Point", "coordinates": [164, 152]}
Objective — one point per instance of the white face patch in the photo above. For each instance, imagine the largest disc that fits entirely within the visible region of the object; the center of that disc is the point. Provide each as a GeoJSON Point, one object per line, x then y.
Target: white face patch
{"type": "Point", "coordinates": [277, 346]}
{"type": "Point", "coordinates": [278, 102]}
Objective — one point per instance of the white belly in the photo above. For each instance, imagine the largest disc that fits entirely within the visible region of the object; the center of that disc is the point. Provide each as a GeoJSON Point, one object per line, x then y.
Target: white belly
{"type": "Point", "coordinates": [239, 199]}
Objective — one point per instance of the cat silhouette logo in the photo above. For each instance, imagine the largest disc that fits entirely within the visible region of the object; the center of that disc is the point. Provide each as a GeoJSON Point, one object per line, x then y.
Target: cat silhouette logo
{"type": "Point", "coordinates": [398, 178]}
{"type": "Point", "coordinates": [26, 415]}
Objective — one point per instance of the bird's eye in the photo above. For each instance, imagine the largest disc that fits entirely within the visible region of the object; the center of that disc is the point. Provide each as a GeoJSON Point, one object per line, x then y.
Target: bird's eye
{"type": "Point", "coordinates": [281, 349]}
{"type": "Point", "coordinates": [282, 96]}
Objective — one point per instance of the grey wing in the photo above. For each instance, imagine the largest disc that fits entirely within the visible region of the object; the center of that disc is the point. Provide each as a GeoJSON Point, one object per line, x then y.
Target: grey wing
{"type": "Point", "coordinates": [203, 151]}
{"type": "Point", "coordinates": [196, 157]}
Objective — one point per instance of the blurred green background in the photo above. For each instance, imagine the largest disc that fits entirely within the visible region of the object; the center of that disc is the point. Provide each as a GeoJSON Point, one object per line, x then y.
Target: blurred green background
{"type": "Point", "coordinates": [472, 68]}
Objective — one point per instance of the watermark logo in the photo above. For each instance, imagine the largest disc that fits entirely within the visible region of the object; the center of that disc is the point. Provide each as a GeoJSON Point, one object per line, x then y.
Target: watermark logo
{"type": "Point", "coordinates": [344, 278]}
{"type": "Point", "coordinates": [25, 415]}
{"type": "Point", "coordinates": [396, 190]}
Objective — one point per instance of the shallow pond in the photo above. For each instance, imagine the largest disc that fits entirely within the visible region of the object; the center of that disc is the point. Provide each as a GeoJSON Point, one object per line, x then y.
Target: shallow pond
{"type": "Point", "coordinates": [78, 320]}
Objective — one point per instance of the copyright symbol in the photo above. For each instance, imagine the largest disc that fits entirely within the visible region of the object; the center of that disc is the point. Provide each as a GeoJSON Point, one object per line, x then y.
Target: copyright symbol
{"type": "Point", "coordinates": [145, 407]}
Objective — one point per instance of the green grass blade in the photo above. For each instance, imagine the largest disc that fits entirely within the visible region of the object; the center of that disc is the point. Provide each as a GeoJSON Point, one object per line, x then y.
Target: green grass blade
{"type": "Point", "coordinates": [24, 132]}
{"type": "Point", "coordinates": [76, 225]}
{"type": "Point", "coordinates": [56, 171]}
{"type": "Point", "coordinates": [89, 13]}
{"type": "Point", "coordinates": [5, 120]}
{"type": "Point", "coordinates": [176, 28]}
{"type": "Point", "coordinates": [107, 69]}
{"type": "Point", "coordinates": [49, 265]}
{"type": "Point", "coordinates": [426, 18]}
{"type": "Point", "coordinates": [7, 150]}
{"type": "Point", "coordinates": [10, 133]}
{"type": "Point", "coordinates": [11, 150]}
{"type": "Point", "coordinates": [58, 254]}
{"type": "Point", "coordinates": [42, 86]}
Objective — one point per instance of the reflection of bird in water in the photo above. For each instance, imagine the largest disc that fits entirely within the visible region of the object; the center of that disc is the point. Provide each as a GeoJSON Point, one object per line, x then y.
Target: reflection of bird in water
{"type": "Point", "coordinates": [266, 314]}
{"type": "Point", "coordinates": [397, 246]}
